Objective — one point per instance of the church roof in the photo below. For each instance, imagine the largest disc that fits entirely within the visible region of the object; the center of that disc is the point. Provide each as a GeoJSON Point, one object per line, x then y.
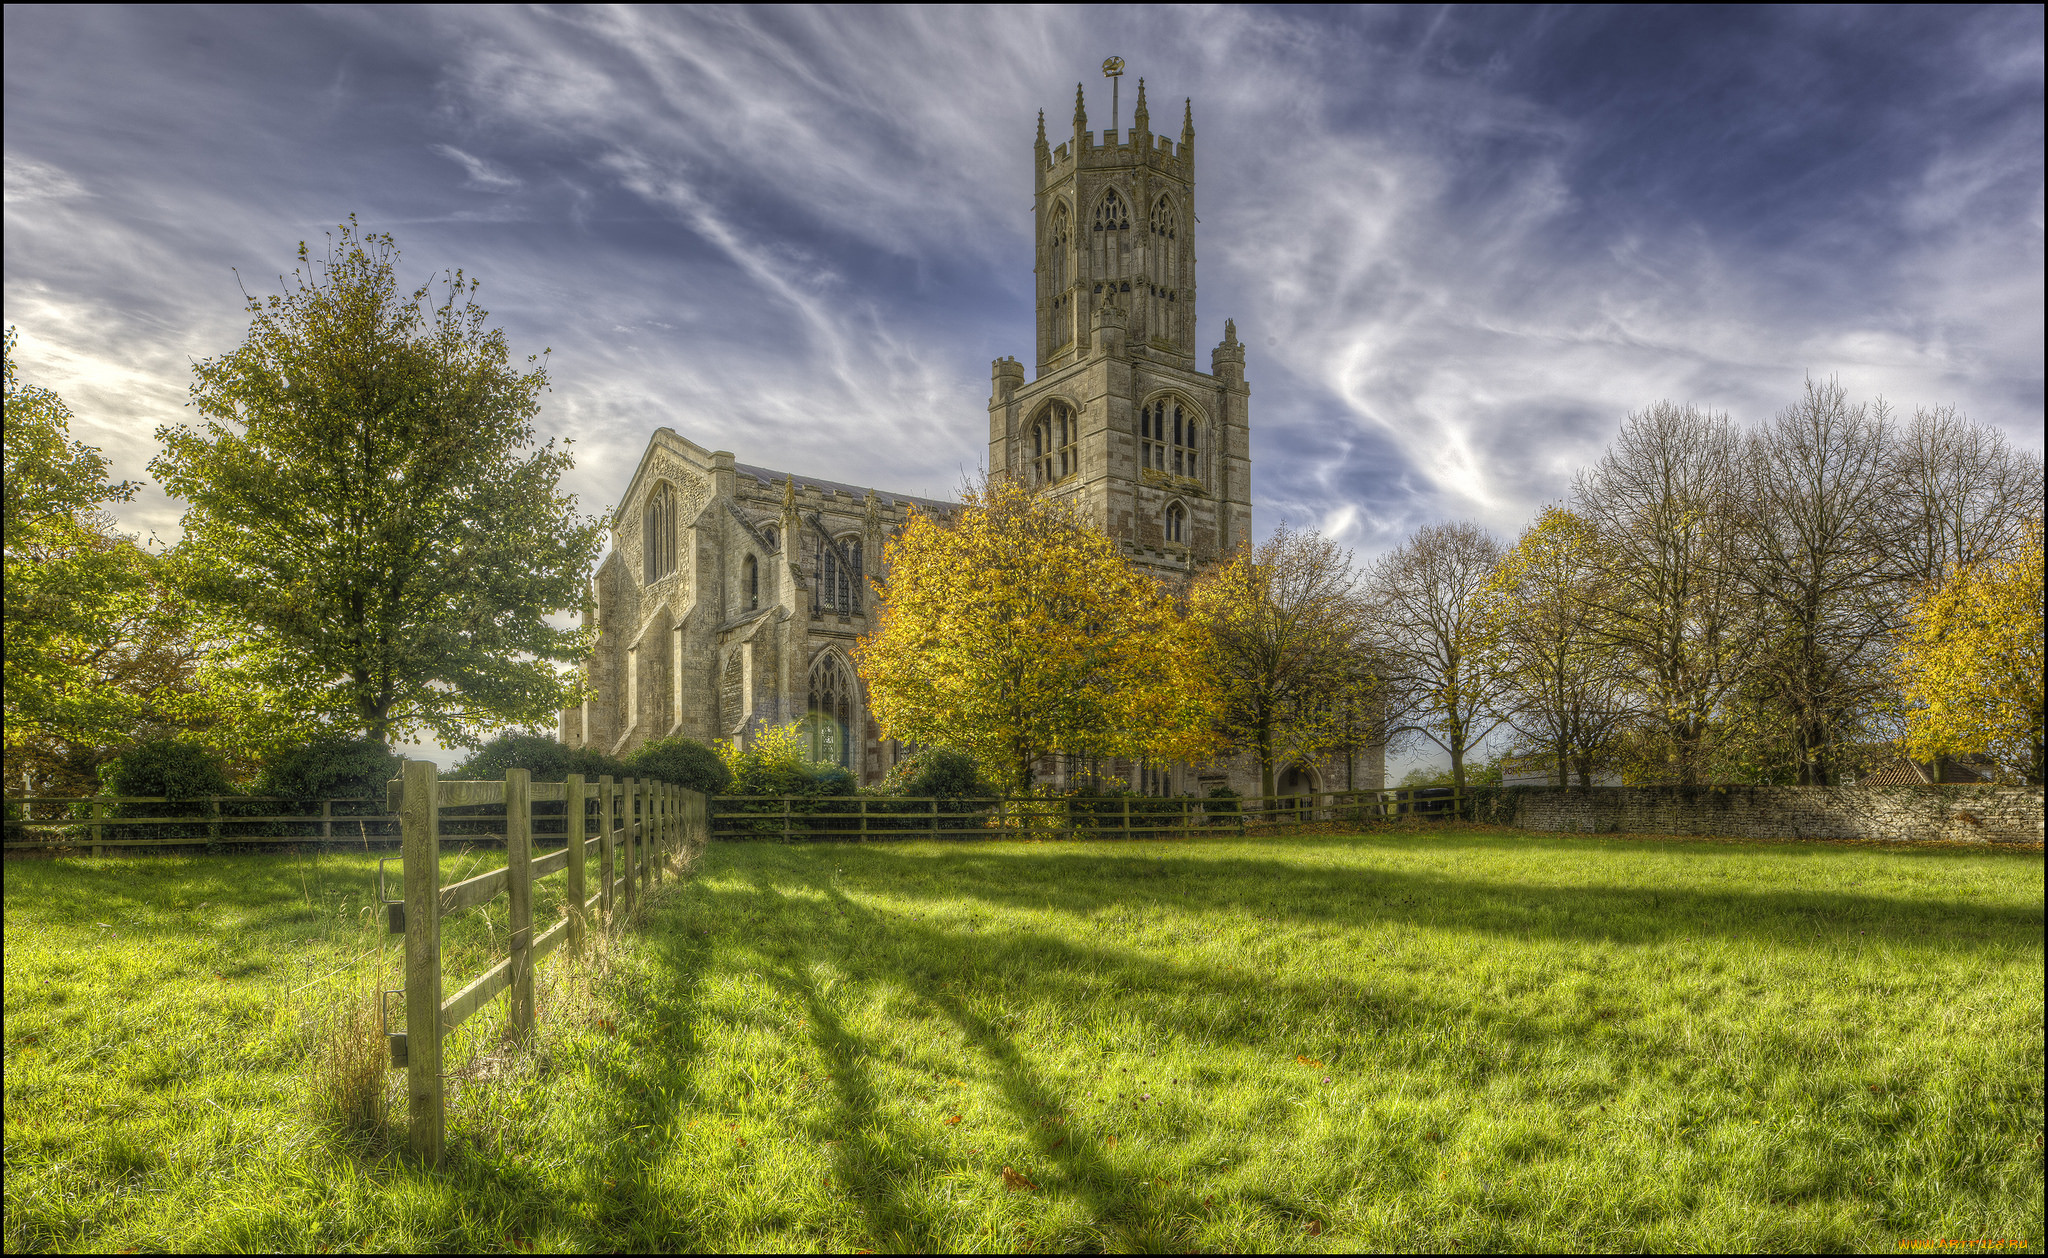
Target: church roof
{"type": "Point", "coordinates": [768, 475]}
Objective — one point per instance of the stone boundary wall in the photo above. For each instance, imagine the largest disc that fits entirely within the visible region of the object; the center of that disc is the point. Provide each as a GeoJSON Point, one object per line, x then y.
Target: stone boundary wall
{"type": "Point", "coordinates": [1918, 814]}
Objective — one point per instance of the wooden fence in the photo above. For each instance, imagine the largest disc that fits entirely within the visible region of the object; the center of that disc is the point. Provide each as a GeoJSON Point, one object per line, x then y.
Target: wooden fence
{"type": "Point", "coordinates": [635, 826]}
{"type": "Point", "coordinates": [104, 821]}
{"type": "Point", "coordinates": [855, 818]}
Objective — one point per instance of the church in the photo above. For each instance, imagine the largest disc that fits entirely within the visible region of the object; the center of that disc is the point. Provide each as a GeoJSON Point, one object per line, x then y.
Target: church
{"type": "Point", "coordinates": [733, 594]}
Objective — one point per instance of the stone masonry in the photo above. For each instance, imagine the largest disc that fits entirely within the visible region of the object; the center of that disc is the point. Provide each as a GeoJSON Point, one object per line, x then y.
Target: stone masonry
{"type": "Point", "coordinates": [1947, 814]}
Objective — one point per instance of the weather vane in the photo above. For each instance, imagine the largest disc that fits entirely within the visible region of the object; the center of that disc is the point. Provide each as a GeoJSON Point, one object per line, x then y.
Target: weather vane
{"type": "Point", "coordinates": [1113, 70]}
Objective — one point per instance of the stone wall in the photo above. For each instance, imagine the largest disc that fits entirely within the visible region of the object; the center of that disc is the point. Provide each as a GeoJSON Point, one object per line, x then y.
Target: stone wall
{"type": "Point", "coordinates": [1929, 814]}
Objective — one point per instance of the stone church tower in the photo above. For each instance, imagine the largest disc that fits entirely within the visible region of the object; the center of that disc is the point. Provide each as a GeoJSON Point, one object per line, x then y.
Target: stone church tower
{"type": "Point", "coordinates": [734, 594]}
{"type": "Point", "coordinates": [1117, 415]}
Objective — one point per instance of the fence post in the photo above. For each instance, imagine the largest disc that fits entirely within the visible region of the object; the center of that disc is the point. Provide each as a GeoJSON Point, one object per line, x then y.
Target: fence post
{"type": "Point", "coordinates": [607, 865]}
{"type": "Point", "coordinates": [785, 818]}
{"type": "Point", "coordinates": [519, 882]}
{"type": "Point", "coordinates": [97, 810]}
{"type": "Point", "coordinates": [1183, 817]}
{"type": "Point", "coordinates": [326, 820]}
{"type": "Point", "coordinates": [1127, 816]}
{"type": "Point", "coordinates": [420, 825]}
{"type": "Point", "coordinates": [572, 834]}
{"type": "Point", "coordinates": [213, 812]}
{"type": "Point", "coordinates": [627, 800]}
{"type": "Point", "coordinates": [863, 818]}
{"type": "Point", "coordinates": [650, 830]}
{"type": "Point", "coordinates": [667, 824]}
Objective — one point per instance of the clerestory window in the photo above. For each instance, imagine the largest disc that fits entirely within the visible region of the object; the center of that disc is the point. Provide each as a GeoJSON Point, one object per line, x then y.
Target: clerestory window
{"type": "Point", "coordinates": [1166, 435]}
{"type": "Point", "coordinates": [1054, 438]}
{"type": "Point", "coordinates": [839, 576]}
{"type": "Point", "coordinates": [751, 571]}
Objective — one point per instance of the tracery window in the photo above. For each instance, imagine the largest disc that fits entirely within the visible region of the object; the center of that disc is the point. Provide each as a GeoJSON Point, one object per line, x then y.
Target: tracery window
{"type": "Point", "coordinates": [1053, 449]}
{"type": "Point", "coordinates": [1176, 523]}
{"type": "Point", "coordinates": [839, 579]}
{"type": "Point", "coordinates": [1163, 259]}
{"type": "Point", "coordinates": [830, 718]}
{"type": "Point", "coordinates": [658, 535]}
{"type": "Point", "coordinates": [751, 576]}
{"type": "Point", "coordinates": [1109, 242]}
{"type": "Point", "coordinates": [1166, 436]}
{"type": "Point", "coordinates": [1059, 302]}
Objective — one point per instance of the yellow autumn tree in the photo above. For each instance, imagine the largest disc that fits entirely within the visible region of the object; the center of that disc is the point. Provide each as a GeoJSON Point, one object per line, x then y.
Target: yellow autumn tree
{"type": "Point", "coordinates": [1017, 630]}
{"type": "Point", "coordinates": [1970, 666]}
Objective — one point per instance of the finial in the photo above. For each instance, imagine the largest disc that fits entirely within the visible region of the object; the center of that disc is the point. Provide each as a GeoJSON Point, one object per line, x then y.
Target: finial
{"type": "Point", "coordinates": [1187, 122]}
{"type": "Point", "coordinates": [1041, 130]}
{"type": "Point", "coordinates": [789, 495]}
{"type": "Point", "coordinates": [1230, 331]}
{"type": "Point", "coordinates": [1143, 118]}
{"type": "Point", "coordinates": [1080, 110]}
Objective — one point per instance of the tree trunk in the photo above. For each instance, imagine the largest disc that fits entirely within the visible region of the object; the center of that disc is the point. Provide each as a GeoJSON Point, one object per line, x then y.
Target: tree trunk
{"type": "Point", "coordinates": [1265, 746]}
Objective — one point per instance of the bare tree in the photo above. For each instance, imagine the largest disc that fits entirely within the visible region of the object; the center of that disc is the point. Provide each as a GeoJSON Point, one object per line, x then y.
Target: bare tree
{"type": "Point", "coordinates": [1957, 494]}
{"type": "Point", "coordinates": [1434, 640]}
{"type": "Point", "coordinates": [1281, 627]}
{"type": "Point", "coordinates": [1659, 500]}
{"type": "Point", "coordinates": [1812, 507]}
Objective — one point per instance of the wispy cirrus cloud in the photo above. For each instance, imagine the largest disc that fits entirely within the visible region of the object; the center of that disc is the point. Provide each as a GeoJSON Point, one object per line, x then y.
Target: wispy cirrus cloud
{"type": "Point", "coordinates": [1460, 244]}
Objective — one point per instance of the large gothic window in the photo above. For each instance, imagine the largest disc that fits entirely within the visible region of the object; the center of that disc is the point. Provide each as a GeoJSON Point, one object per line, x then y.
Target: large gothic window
{"type": "Point", "coordinates": [1109, 243]}
{"type": "Point", "coordinates": [1166, 438]}
{"type": "Point", "coordinates": [1058, 301]}
{"type": "Point", "coordinates": [1054, 452]}
{"type": "Point", "coordinates": [658, 535]}
{"type": "Point", "coordinates": [1163, 269]}
{"type": "Point", "coordinates": [839, 576]}
{"type": "Point", "coordinates": [830, 719]}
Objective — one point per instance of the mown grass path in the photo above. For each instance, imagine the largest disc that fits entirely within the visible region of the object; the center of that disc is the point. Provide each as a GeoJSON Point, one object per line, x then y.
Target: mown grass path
{"type": "Point", "coordinates": [1445, 1041]}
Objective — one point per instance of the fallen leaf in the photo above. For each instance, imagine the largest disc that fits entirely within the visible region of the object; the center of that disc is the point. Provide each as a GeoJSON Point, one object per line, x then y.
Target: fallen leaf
{"type": "Point", "coordinates": [954, 1121]}
{"type": "Point", "coordinates": [1308, 1061]}
{"type": "Point", "coordinates": [1017, 1183]}
{"type": "Point", "coordinates": [1057, 1143]}
{"type": "Point", "coordinates": [1111, 1142]}
{"type": "Point", "coordinates": [1313, 1228]}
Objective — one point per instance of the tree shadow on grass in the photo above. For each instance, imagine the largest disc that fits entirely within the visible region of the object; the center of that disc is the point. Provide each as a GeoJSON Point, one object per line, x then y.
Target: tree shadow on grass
{"type": "Point", "coordinates": [1200, 882]}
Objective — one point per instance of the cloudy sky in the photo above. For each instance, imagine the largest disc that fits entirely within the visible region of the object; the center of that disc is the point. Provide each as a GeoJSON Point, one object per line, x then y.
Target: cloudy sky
{"type": "Point", "coordinates": [1460, 243]}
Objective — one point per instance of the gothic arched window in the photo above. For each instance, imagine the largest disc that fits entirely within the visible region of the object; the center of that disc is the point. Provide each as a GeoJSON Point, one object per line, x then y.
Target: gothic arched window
{"type": "Point", "coordinates": [1053, 451]}
{"type": "Point", "coordinates": [750, 576]}
{"type": "Point", "coordinates": [830, 718]}
{"type": "Point", "coordinates": [839, 575]}
{"type": "Point", "coordinates": [1166, 437]}
{"type": "Point", "coordinates": [1164, 266]}
{"type": "Point", "coordinates": [1059, 302]}
{"type": "Point", "coordinates": [658, 536]}
{"type": "Point", "coordinates": [1109, 243]}
{"type": "Point", "coordinates": [1176, 523]}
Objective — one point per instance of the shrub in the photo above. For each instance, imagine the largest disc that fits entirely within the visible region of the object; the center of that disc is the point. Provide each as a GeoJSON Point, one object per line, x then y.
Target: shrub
{"type": "Point", "coordinates": [541, 756]}
{"type": "Point", "coordinates": [938, 773]}
{"type": "Point", "coordinates": [332, 768]}
{"type": "Point", "coordinates": [778, 762]}
{"type": "Point", "coordinates": [169, 768]}
{"type": "Point", "coordinates": [681, 762]}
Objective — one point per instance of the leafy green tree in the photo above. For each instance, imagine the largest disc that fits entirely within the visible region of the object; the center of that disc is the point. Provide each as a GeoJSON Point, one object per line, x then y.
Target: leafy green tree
{"type": "Point", "coordinates": [331, 768]}
{"type": "Point", "coordinates": [938, 773]}
{"type": "Point", "coordinates": [74, 587]}
{"type": "Point", "coordinates": [777, 761]}
{"type": "Point", "coordinates": [373, 534]}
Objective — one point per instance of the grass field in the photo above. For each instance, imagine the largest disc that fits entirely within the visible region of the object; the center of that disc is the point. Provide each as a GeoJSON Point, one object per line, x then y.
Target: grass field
{"type": "Point", "coordinates": [1449, 1040]}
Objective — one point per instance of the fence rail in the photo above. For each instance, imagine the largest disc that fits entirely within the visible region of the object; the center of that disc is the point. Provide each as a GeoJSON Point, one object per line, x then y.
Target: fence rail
{"type": "Point", "coordinates": [104, 821]}
{"type": "Point", "coordinates": [634, 825]}
{"type": "Point", "coordinates": [859, 818]}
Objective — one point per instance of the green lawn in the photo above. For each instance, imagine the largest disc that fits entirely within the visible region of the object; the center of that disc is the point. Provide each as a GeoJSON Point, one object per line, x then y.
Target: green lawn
{"type": "Point", "coordinates": [1446, 1040]}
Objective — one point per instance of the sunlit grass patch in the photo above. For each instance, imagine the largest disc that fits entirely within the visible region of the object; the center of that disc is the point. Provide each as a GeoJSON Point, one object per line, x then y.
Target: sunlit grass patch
{"type": "Point", "coordinates": [1439, 1040]}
